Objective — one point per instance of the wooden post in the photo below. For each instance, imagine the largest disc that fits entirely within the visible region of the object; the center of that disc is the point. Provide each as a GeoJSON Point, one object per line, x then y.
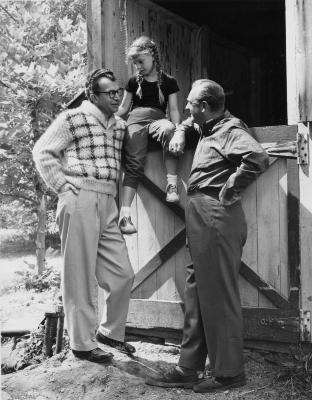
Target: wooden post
{"type": "Point", "coordinates": [41, 232]}
{"type": "Point", "coordinates": [299, 100]}
{"type": "Point", "coordinates": [95, 33]}
{"type": "Point", "coordinates": [107, 37]}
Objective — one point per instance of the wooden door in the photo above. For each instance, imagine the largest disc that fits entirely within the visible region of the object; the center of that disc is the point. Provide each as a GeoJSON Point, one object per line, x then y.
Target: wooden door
{"type": "Point", "coordinates": [269, 276]}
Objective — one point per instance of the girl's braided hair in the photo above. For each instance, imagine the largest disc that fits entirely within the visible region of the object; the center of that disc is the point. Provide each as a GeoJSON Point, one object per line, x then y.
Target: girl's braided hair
{"type": "Point", "coordinates": [145, 45]}
{"type": "Point", "coordinates": [93, 77]}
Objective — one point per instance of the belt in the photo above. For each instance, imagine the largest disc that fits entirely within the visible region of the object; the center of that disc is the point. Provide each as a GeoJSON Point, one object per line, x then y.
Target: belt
{"type": "Point", "coordinates": [212, 192]}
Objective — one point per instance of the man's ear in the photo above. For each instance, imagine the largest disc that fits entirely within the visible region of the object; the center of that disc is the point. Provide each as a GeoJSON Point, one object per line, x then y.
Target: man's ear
{"type": "Point", "coordinates": [205, 106]}
{"type": "Point", "coordinates": [93, 98]}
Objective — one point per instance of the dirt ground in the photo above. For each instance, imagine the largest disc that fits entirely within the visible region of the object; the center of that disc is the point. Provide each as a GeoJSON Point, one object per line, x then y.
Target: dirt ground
{"type": "Point", "coordinates": [65, 377]}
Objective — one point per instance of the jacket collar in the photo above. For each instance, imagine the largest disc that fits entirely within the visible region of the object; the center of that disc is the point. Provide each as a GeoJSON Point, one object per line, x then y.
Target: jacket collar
{"type": "Point", "coordinates": [90, 108]}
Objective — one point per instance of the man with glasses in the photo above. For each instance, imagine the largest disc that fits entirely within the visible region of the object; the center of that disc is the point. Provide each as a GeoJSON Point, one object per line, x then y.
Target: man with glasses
{"type": "Point", "coordinates": [227, 159]}
{"type": "Point", "coordinates": [79, 158]}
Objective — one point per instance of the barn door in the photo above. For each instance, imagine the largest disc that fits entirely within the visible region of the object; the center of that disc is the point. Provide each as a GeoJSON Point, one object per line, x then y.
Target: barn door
{"type": "Point", "coordinates": [269, 276]}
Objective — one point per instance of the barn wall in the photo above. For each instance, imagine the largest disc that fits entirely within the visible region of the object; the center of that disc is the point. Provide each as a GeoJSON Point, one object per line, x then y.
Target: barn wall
{"type": "Point", "coordinates": [299, 98]}
{"type": "Point", "coordinates": [186, 55]}
{"type": "Point", "coordinates": [175, 38]}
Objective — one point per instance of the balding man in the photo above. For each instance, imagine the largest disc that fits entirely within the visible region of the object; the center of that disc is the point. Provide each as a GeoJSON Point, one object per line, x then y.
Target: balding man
{"type": "Point", "coordinates": [227, 159]}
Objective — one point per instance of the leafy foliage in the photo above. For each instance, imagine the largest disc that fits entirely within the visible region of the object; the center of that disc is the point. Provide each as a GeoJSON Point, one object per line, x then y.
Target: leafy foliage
{"type": "Point", "coordinates": [28, 350]}
{"type": "Point", "coordinates": [29, 279]}
{"type": "Point", "coordinates": [43, 66]}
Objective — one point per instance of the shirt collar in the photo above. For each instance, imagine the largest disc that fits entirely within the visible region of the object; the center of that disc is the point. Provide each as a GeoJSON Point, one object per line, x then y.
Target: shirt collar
{"type": "Point", "coordinates": [92, 109]}
{"type": "Point", "coordinates": [209, 125]}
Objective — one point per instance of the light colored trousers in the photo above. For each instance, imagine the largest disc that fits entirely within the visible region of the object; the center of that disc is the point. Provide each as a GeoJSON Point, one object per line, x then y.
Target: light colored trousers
{"type": "Point", "coordinates": [94, 252]}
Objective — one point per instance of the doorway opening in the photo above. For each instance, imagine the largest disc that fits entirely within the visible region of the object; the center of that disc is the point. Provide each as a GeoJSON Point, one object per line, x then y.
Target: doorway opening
{"type": "Point", "coordinates": [257, 28]}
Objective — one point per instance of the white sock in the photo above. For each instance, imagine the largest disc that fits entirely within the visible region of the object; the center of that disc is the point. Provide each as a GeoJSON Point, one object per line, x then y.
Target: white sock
{"type": "Point", "coordinates": [172, 180]}
{"type": "Point", "coordinates": [125, 212]}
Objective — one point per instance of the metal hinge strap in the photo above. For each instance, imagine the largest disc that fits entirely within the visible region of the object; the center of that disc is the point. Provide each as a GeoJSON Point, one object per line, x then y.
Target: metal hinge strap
{"type": "Point", "coordinates": [305, 326]}
{"type": "Point", "coordinates": [303, 143]}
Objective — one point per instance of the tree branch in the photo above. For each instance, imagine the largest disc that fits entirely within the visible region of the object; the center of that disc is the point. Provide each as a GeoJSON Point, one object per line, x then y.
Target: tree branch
{"type": "Point", "coordinates": [7, 86]}
{"type": "Point", "coordinates": [18, 196]}
{"type": "Point", "coordinates": [9, 14]}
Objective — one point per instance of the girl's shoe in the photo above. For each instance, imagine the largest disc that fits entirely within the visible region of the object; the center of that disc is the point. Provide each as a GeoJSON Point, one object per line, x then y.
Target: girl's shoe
{"type": "Point", "coordinates": [172, 194]}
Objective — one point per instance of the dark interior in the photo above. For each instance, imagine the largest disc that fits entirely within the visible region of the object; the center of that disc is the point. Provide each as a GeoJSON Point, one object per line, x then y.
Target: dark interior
{"type": "Point", "coordinates": [258, 26]}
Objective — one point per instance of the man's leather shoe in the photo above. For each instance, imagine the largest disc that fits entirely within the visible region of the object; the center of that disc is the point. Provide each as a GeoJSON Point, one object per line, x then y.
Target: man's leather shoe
{"type": "Point", "coordinates": [174, 378]}
{"type": "Point", "coordinates": [123, 347]}
{"type": "Point", "coordinates": [214, 384]}
{"type": "Point", "coordinates": [96, 355]}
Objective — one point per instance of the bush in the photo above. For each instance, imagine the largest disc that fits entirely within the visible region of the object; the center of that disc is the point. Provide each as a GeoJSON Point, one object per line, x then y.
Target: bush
{"type": "Point", "coordinates": [29, 279]}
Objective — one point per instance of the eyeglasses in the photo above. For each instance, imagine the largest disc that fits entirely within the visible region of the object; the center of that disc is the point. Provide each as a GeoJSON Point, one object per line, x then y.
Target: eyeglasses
{"type": "Point", "coordinates": [112, 93]}
{"type": "Point", "coordinates": [193, 103]}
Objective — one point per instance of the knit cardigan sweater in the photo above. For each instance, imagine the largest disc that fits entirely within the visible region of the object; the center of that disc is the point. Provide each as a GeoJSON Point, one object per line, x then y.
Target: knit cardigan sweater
{"type": "Point", "coordinates": [83, 148]}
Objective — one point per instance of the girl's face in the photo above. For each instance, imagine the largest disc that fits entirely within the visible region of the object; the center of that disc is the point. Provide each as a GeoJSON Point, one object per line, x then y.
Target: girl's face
{"type": "Point", "coordinates": [144, 63]}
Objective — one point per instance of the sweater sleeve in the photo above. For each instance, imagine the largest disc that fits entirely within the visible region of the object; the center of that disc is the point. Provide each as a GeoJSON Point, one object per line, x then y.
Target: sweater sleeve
{"type": "Point", "coordinates": [48, 152]}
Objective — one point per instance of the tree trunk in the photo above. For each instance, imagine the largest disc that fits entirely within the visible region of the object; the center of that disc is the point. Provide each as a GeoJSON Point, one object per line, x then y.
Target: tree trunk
{"type": "Point", "coordinates": [41, 232]}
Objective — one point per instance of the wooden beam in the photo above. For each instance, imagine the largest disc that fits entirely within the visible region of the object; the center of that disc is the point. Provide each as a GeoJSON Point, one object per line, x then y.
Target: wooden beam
{"type": "Point", "coordinates": [159, 258]}
{"type": "Point", "coordinates": [168, 316]}
{"type": "Point", "coordinates": [264, 288]}
{"type": "Point", "coordinates": [278, 133]}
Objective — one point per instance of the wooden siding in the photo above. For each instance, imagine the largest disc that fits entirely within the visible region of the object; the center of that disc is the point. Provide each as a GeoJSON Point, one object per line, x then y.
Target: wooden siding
{"type": "Point", "coordinates": [174, 36]}
{"type": "Point", "coordinates": [299, 97]}
{"type": "Point", "coordinates": [266, 202]}
{"type": "Point", "coordinates": [266, 251]}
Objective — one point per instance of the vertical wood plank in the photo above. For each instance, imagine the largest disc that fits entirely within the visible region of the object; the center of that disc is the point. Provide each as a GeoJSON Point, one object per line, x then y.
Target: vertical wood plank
{"type": "Point", "coordinates": [268, 229]}
{"type": "Point", "coordinates": [98, 34]}
{"type": "Point", "coordinates": [95, 38]}
{"type": "Point", "coordinates": [283, 227]}
{"type": "Point", "coordinates": [299, 100]}
{"type": "Point", "coordinates": [163, 227]}
{"type": "Point", "coordinates": [293, 206]}
{"type": "Point", "coordinates": [249, 294]}
{"type": "Point", "coordinates": [147, 244]}
{"type": "Point", "coordinates": [305, 225]}
{"type": "Point", "coordinates": [182, 257]}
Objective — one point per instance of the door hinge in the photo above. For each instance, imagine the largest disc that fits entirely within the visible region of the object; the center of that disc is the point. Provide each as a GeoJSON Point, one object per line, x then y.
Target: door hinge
{"type": "Point", "coordinates": [290, 324]}
{"type": "Point", "coordinates": [303, 143]}
{"type": "Point", "coordinates": [305, 326]}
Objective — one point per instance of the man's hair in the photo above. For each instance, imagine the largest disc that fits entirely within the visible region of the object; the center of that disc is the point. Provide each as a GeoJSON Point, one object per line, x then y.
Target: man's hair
{"type": "Point", "coordinates": [93, 78]}
{"type": "Point", "coordinates": [212, 93]}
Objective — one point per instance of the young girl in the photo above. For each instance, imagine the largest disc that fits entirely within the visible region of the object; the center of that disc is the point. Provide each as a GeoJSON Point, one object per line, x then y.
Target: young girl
{"type": "Point", "coordinates": [147, 96]}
